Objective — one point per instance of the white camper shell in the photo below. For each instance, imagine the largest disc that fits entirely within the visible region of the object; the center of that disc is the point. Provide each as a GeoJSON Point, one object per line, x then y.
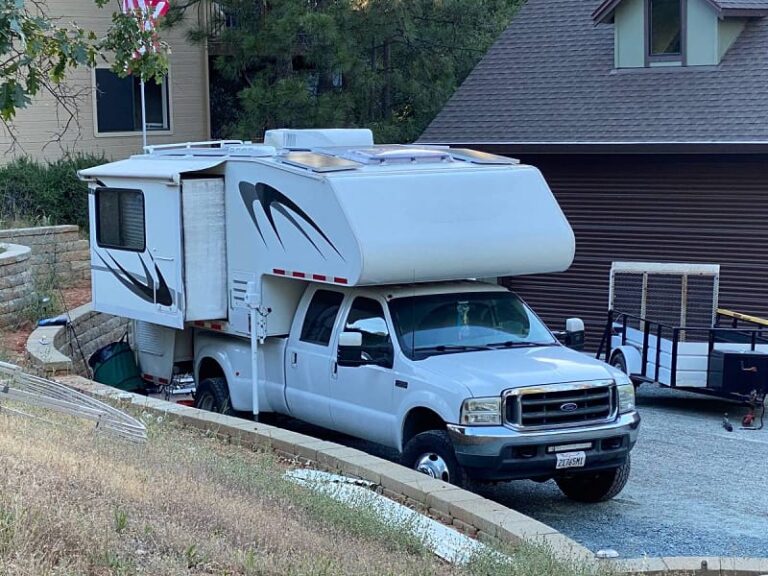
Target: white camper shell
{"type": "Point", "coordinates": [323, 277]}
{"type": "Point", "coordinates": [214, 219]}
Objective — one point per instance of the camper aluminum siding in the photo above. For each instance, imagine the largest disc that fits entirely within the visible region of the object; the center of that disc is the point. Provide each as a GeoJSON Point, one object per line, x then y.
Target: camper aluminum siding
{"type": "Point", "coordinates": [672, 208]}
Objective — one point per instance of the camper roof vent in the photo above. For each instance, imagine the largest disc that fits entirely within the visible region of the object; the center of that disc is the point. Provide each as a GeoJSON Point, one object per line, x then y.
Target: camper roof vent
{"type": "Point", "coordinates": [318, 162]}
{"type": "Point", "coordinates": [309, 139]}
{"type": "Point", "coordinates": [477, 157]}
{"type": "Point", "coordinates": [396, 154]}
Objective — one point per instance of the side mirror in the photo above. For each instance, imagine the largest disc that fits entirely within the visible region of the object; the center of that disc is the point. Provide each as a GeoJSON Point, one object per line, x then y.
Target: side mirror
{"type": "Point", "coordinates": [350, 349]}
{"type": "Point", "coordinates": [574, 333]}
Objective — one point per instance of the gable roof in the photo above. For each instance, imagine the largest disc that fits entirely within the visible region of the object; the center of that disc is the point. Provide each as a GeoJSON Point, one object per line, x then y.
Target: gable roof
{"type": "Point", "coordinates": [724, 8]}
{"type": "Point", "coordinates": [550, 78]}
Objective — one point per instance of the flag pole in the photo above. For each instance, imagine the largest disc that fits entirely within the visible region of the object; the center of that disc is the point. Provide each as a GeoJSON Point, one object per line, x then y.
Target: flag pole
{"type": "Point", "coordinates": [143, 117]}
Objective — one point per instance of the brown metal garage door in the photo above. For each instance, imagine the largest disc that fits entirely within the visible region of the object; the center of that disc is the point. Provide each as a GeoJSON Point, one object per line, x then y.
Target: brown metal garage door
{"type": "Point", "coordinates": [655, 208]}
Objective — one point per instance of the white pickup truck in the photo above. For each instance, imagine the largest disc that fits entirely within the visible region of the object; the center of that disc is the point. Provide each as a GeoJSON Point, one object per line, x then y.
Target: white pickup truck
{"type": "Point", "coordinates": [338, 272]}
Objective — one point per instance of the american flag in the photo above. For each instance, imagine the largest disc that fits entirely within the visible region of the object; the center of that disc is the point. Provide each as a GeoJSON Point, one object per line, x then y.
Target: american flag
{"type": "Point", "coordinates": [146, 12]}
{"type": "Point", "coordinates": [151, 10]}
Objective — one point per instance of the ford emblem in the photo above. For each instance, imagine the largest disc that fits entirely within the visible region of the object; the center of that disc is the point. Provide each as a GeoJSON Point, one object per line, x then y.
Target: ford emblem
{"type": "Point", "coordinates": [569, 407]}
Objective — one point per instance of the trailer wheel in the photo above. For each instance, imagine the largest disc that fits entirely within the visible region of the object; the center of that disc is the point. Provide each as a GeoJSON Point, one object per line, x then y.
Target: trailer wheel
{"type": "Point", "coordinates": [213, 395]}
{"type": "Point", "coordinates": [591, 487]}
{"type": "Point", "coordinates": [619, 362]}
{"type": "Point", "coordinates": [432, 453]}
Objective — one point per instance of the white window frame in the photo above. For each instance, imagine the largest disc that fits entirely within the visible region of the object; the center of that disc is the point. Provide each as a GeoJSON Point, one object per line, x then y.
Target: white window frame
{"type": "Point", "coordinates": [166, 103]}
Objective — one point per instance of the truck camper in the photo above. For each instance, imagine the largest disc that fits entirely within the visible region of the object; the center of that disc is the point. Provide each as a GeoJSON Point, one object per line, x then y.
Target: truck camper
{"type": "Point", "coordinates": [324, 277]}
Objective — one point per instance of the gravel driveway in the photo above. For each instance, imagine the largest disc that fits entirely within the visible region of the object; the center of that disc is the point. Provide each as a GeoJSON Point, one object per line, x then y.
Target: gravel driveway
{"type": "Point", "coordinates": [695, 488]}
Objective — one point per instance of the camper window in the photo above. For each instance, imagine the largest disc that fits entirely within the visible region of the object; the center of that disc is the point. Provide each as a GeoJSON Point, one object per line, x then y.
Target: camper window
{"type": "Point", "coordinates": [321, 316]}
{"type": "Point", "coordinates": [120, 219]}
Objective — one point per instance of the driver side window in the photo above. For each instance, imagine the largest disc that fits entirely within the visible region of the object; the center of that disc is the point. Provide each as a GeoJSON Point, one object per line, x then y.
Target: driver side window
{"type": "Point", "coordinates": [367, 317]}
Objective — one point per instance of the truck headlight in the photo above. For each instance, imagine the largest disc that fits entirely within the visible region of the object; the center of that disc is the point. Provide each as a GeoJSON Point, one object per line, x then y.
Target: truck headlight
{"type": "Point", "coordinates": [481, 411]}
{"type": "Point", "coordinates": [626, 397]}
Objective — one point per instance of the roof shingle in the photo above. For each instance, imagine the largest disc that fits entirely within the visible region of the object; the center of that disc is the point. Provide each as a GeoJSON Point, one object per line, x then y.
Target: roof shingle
{"type": "Point", "coordinates": [550, 78]}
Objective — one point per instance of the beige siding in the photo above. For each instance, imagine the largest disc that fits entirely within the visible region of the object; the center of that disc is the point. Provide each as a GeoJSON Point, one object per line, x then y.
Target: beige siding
{"type": "Point", "coordinates": [36, 126]}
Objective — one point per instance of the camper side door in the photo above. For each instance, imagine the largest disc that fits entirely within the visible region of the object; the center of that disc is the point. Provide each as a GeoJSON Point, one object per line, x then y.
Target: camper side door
{"type": "Point", "coordinates": [136, 250]}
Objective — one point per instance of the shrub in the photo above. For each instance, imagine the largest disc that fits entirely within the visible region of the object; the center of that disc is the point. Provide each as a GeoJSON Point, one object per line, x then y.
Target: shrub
{"type": "Point", "coordinates": [45, 193]}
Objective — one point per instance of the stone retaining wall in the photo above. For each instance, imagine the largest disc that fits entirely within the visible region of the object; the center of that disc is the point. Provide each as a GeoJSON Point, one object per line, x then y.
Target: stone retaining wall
{"type": "Point", "coordinates": [15, 283]}
{"type": "Point", "coordinates": [56, 349]}
{"type": "Point", "coordinates": [56, 251]}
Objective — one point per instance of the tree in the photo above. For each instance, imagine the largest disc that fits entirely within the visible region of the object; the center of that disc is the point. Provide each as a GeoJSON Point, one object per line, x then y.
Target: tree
{"type": "Point", "coordinates": [385, 64]}
{"type": "Point", "coordinates": [35, 55]}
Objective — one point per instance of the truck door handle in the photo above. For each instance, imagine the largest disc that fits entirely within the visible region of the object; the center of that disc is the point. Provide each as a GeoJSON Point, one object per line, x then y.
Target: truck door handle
{"type": "Point", "coordinates": [335, 369]}
{"type": "Point", "coordinates": [294, 358]}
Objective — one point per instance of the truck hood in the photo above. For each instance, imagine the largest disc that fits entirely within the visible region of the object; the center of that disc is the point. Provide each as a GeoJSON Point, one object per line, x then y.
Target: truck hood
{"type": "Point", "coordinates": [488, 373]}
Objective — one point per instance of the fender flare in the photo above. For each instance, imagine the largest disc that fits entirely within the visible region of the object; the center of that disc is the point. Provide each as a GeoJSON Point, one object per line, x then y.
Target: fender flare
{"type": "Point", "coordinates": [632, 357]}
{"type": "Point", "coordinates": [210, 350]}
{"type": "Point", "coordinates": [427, 401]}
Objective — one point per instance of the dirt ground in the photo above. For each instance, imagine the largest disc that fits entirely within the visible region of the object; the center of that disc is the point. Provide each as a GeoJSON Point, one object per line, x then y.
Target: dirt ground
{"type": "Point", "coordinates": [13, 342]}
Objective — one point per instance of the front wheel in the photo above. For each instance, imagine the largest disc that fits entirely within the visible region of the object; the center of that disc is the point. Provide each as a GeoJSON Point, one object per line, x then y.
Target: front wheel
{"type": "Point", "coordinates": [594, 487]}
{"type": "Point", "coordinates": [213, 395]}
{"type": "Point", "coordinates": [432, 454]}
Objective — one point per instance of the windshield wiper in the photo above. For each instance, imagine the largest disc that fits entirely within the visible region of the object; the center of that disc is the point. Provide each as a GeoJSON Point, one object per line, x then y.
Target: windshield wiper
{"type": "Point", "coordinates": [514, 344]}
{"type": "Point", "coordinates": [453, 348]}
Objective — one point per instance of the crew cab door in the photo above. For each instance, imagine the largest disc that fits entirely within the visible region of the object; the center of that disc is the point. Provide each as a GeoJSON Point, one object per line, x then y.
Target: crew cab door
{"type": "Point", "coordinates": [362, 394]}
{"type": "Point", "coordinates": [310, 356]}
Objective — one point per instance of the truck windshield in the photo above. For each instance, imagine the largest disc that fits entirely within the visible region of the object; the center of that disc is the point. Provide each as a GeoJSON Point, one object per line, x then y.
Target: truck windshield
{"type": "Point", "coordinates": [450, 323]}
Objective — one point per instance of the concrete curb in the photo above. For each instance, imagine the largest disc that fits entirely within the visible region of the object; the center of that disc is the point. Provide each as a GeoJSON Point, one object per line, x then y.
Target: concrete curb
{"type": "Point", "coordinates": [467, 512]}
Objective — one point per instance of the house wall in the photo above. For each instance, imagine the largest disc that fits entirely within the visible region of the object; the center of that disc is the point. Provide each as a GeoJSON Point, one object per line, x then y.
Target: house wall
{"type": "Point", "coordinates": [729, 31]}
{"type": "Point", "coordinates": [37, 126]}
{"type": "Point", "coordinates": [706, 209]}
{"type": "Point", "coordinates": [629, 38]}
{"type": "Point", "coordinates": [707, 38]}
{"type": "Point", "coordinates": [702, 34]}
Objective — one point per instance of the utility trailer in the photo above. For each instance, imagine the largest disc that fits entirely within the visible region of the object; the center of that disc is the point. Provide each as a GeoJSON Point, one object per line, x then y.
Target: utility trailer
{"type": "Point", "coordinates": [324, 277]}
{"type": "Point", "coordinates": [664, 326]}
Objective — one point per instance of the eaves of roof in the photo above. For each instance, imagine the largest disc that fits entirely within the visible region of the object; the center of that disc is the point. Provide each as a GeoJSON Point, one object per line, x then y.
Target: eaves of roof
{"type": "Point", "coordinates": [724, 8]}
{"type": "Point", "coordinates": [513, 148]}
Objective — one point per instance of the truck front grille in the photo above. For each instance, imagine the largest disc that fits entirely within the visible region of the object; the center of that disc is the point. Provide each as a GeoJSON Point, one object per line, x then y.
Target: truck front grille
{"type": "Point", "coordinates": [561, 405]}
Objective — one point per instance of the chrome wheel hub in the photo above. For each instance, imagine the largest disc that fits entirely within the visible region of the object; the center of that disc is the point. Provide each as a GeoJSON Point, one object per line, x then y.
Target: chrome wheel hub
{"type": "Point", "coordinates": [433, 465]}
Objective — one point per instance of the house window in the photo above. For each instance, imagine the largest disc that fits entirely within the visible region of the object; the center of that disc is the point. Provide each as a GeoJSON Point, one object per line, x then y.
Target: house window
{"type": "Point", "coordinates": [118, 103]}
{"type": "Point", "coordinates": [120, 219]}
{"type": "Point", "coordinates": [665, 29]}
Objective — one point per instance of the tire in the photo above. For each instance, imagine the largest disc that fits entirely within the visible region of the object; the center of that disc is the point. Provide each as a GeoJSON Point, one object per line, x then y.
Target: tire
{"type": "Point", "coordinates": [213, 395]}
{"type": "Point", "coordinates": [432, 453]}
{"type": "Point", "coordinates": [619, 362]}
{"type": "Point", "coordinates": [595, 486]}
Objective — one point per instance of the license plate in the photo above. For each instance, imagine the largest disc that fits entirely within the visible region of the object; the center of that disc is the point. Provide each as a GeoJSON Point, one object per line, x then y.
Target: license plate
{"type": "Point", "coordinates": [571, 460]}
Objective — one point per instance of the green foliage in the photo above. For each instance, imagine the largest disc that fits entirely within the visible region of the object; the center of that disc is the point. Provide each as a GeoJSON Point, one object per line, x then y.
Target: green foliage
{"type": "Point", "coordinates": [388, 64]}
{"type": "Point", "coordinates": [33, 192]}
{"type": "Point", "coordinates": [121, 520]}
{"type": "Point", "coordinates": [35, 54]}
{"type": "Point", "coordinates": [136, 49]}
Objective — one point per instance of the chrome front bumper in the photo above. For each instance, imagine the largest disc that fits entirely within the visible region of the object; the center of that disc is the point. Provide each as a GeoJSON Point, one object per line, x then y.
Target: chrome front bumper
{"type": "Point", "coordinates": [501, 453]}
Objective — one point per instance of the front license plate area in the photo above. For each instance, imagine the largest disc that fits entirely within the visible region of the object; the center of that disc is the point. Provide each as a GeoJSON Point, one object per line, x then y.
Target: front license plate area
{"type": "Point", "coordinates": [571, 460]}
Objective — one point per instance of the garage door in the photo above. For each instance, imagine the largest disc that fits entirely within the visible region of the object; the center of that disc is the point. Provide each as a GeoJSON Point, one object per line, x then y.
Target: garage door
{"type": "Point", "coordinates": [655, 208]}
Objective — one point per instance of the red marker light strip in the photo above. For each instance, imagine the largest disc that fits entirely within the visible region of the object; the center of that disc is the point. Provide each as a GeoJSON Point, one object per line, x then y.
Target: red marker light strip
{"type": "Point", "coordinates": [317, 277]}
